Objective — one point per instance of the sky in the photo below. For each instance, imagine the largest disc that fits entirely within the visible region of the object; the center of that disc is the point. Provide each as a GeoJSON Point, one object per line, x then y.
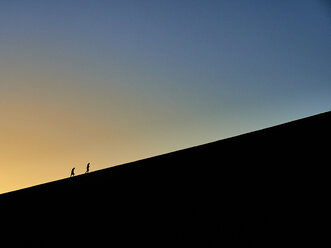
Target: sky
{"type": "Point", "coordinates": [110, 82]}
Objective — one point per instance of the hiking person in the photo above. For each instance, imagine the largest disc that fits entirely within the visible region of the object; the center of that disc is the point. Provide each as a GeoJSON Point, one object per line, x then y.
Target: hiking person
{"type": "Point", "coordinates": [72, 172]}
{"type": "Point", "coordinates": [88, 168]}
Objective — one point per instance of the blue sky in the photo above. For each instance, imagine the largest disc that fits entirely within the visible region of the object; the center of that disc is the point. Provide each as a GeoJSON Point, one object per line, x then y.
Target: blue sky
{"type": "Point", "coordinates": [116, 81]}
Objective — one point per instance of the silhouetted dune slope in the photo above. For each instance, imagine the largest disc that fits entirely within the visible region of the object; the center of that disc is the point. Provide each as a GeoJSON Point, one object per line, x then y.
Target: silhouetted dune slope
{"type": "Point", "coordinates": [267, 188]}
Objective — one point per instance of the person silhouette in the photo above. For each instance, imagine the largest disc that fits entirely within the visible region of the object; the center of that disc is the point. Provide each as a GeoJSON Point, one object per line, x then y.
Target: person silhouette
{"type": "Point", "coordinates": [72, 172]}
{"type": "Point", "coordinates": [88, 168]}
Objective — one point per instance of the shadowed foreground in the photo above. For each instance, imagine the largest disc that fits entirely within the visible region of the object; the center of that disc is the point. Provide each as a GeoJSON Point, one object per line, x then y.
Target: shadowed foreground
{"type": "Point", "coordinates": [263, 189]}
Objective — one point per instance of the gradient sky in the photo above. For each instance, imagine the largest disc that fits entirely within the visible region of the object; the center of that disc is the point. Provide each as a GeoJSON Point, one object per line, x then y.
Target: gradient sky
{"type": "Point", "coordinates": [110, 82]}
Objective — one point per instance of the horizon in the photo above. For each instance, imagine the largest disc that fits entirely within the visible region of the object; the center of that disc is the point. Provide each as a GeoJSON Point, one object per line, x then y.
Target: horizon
{"type": "Point", "coordinates": [111, 82]}
{"type": "Point", "coordinates": [165, 154]}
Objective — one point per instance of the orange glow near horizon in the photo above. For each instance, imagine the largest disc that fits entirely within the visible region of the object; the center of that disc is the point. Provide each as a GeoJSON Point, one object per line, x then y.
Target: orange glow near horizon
{"type": "Point", "coordinates": [44, 132]}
